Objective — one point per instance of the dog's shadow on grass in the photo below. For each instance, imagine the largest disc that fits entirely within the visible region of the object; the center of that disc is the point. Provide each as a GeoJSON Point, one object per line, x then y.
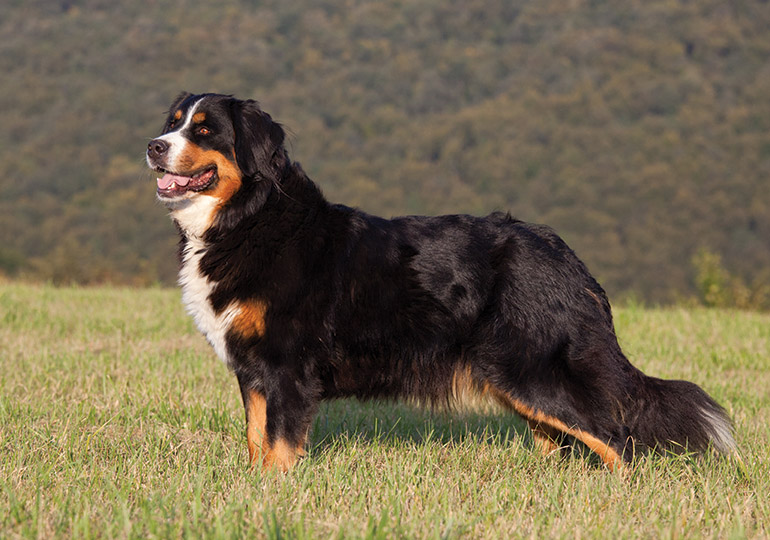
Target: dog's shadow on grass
{"type": "Point", "coordinates": [386, 422]}
{"type": "Point", "coordinates": [378, 422]}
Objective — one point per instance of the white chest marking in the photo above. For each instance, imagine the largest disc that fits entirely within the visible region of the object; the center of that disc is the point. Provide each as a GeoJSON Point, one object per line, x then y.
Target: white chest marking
{"type": "Point", "coordinates": [195, 215]}
{"type": "Point", "coordinates": [195, 295]}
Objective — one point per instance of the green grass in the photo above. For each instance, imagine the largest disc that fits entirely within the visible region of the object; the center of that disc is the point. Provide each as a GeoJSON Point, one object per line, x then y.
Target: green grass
{"type": "Point", "coordinates": [117, 421]}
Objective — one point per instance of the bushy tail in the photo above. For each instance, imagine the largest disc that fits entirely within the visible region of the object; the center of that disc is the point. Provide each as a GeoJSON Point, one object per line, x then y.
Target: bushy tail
{"type": "Point", "coordinates": [678, 416]}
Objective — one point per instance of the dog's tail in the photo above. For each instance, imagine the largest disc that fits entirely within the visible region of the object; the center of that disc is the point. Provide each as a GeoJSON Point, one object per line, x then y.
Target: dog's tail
{"type": "Point", "coordinates": [678, 416]}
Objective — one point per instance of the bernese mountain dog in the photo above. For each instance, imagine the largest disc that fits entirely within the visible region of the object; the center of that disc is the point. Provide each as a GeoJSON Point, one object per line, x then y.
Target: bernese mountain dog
{"type": "Point", "coordinates": [305, 301]}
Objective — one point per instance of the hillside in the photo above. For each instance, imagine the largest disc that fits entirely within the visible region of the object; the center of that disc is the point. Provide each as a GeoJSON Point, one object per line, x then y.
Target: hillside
{"type": "Point", "coordinates": [640, 132]}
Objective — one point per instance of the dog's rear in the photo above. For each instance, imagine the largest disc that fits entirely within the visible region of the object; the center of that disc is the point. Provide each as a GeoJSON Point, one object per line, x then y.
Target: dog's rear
{"type": "Point", "coordinates": [544, 346]}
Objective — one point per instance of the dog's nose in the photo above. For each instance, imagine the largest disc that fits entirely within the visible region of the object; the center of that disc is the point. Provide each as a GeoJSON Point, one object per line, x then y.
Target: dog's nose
{"type": "Point", "coordinates": [157, 148]}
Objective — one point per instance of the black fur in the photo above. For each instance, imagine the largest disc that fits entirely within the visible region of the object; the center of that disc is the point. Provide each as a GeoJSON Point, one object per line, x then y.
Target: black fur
{"type": "Point", "coordinates": [259, 144]}
{"type": "Point", "coordinates": [373, 308]}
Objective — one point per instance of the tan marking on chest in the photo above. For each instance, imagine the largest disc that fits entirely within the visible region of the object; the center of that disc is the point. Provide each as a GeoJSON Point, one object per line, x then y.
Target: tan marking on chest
{"type": "Point", "coordinates": [250, 321]}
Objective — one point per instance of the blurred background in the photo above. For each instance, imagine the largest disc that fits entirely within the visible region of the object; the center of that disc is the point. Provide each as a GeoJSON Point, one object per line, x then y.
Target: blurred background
{"type": "Point", "coordinates": [639, 130]}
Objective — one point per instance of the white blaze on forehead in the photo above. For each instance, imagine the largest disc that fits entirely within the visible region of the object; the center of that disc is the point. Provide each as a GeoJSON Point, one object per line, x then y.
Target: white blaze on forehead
{"type": "Point", "coordinates": [176, 141]}
{"type": "Point", "coordinates": [194, 212]}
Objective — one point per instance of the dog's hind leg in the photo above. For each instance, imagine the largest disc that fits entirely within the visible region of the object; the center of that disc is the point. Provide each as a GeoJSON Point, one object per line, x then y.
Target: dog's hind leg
{"type": "Point", "coordinates": [548, 440]}
{"type": "Point", "coordinates": [547, 428]}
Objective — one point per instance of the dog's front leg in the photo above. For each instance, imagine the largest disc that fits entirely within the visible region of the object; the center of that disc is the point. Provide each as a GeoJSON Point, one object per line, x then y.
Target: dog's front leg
{"type": "Point", "coordinates": [277, 423]}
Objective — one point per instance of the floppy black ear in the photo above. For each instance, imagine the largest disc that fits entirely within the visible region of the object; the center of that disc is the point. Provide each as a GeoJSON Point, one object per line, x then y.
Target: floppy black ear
{"type": "Point", "coordinates": [259, 148]}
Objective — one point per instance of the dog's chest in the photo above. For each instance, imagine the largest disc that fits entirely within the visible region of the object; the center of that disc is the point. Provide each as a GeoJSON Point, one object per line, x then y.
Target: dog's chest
{"type": "Point", "coordinates": [196, 289]}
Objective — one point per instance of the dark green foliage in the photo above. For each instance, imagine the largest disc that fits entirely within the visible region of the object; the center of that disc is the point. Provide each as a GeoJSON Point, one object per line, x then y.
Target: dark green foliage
{"type": "Point", "coordinates": [718, 288]}
{"type": "Point", "coordinates": [639, 130]}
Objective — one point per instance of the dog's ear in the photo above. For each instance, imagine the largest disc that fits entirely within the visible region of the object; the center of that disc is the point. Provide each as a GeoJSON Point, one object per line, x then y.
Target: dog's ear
{"type": "Point", "coordinates": [259, 148]}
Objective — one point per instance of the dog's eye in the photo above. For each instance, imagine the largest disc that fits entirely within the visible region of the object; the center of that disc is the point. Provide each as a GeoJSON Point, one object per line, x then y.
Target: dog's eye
{"type": "Point", "coordinates": [203, 130]}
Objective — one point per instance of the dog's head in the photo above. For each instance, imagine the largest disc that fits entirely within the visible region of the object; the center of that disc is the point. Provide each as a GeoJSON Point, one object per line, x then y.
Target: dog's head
{"type": "Point", "coordinates": [213, 150]}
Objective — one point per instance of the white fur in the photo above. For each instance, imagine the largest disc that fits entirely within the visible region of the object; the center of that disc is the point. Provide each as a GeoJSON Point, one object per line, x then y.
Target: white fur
{"type": "Point", "coordinates": [196, 289]}
{"type": "Point", "coordinates": [194, 212]}
{"type": "Point", "coordinates": [720, 430]}
{"type": "Point", "coordinates": [176, 142]}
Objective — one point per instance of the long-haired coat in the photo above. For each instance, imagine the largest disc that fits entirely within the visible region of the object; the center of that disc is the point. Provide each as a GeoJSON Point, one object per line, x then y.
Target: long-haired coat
{"type": "Point", "coordinates": [307, 300]}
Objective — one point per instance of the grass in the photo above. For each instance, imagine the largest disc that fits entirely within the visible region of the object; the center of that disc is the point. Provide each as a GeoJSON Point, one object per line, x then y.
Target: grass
{"type": "Point", "coordinates": [116, 421]}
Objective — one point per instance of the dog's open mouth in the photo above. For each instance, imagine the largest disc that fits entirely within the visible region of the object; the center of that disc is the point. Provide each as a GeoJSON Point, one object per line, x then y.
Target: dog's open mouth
{"type": "Point", "coordinates": [171, 185]}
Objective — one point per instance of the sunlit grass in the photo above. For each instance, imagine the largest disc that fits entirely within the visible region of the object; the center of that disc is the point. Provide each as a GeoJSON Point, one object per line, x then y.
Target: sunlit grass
{"type": "Point", "coordinates": [117, 421]}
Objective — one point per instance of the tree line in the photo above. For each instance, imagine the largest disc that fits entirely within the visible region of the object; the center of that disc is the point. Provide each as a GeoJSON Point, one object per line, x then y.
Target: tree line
{"type": "Point", "coordinates": [640, 131]}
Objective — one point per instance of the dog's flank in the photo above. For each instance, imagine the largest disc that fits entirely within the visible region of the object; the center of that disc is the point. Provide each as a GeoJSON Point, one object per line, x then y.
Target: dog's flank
{"type": "Point", "coordinates": [306, 300]}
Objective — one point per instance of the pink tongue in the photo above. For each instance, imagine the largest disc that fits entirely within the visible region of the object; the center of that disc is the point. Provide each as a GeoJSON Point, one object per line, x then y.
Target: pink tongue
{"type": "Point", "coordinates": [168, 179]}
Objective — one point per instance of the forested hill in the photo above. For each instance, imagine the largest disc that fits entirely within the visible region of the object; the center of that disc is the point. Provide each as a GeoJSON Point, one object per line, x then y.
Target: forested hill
{"type": "Point", "coordinates": [640, 130]}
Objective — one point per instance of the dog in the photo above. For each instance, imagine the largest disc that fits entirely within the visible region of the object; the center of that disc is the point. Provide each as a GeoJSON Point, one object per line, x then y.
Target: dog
{"type": "Point", "coordinates": [306, 301]}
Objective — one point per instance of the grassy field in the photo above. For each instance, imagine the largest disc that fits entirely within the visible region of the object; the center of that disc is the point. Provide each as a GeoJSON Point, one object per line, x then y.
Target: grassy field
{"type": "Point", "coordinates": [117, 421]}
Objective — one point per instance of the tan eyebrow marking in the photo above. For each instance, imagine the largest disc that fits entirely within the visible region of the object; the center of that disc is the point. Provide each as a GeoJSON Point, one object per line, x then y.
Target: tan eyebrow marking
{"type": "Point", "coordinates": [178, 114]}
{"type": "Point", "coordinates": [199, 117]}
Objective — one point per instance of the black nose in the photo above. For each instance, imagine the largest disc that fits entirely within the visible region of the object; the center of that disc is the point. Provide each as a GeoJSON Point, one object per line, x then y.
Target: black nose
{"type": "Point", "coordinates": [157, 148]}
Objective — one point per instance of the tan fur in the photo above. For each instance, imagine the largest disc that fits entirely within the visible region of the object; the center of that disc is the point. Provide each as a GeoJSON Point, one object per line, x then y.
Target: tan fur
{"type": "Point", "coordinates": [250, 320]}
{"type": "Point", "coordinates": [282, 455]}
{"type": "Point", "coordinates": [256, 422]}
{"type": "Point", "coordinates": [230, 175]}
{"type": "Point", "coordinates": [595, 297]}
{"type": "Point", "coordinates": [468, 394]}
{"type": "Point", "coordinates": [609, 456]}
{"type": "Point", "coordinates": [466, 391]}
{"type": "Point", "coordinates": [279, 454]}
{"type": "Point", "coordinates": [545, 437]}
